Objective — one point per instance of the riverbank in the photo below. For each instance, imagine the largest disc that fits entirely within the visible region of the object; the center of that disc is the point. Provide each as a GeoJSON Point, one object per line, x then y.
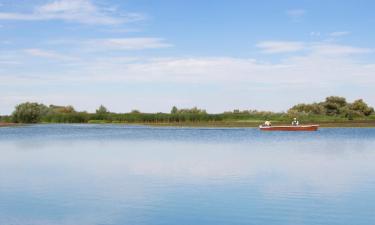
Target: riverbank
{"type": "Point", "coordinates": [8, 124]}
{"type": "Point", "coordinates": [227, 124]}
{"type": "Point", "coordinates": [234, 124]}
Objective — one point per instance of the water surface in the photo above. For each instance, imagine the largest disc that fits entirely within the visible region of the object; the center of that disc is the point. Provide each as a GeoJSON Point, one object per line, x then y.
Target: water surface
{"type": "Point", "coordinates": [136, 175]}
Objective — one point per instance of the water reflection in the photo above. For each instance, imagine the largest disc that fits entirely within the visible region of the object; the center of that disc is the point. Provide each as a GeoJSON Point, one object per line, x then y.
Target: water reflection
{"type": "Point", "coordinates": [144, 177]}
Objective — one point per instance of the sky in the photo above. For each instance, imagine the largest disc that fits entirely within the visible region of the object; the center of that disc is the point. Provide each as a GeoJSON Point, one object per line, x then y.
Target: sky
{"type": "Point", "coordinates": [218, 55]}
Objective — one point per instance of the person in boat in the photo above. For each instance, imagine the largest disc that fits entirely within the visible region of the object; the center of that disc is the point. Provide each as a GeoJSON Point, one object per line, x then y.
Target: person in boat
{"type": "Point", "coordinates": [295, 122]}
{"type": "Point", "coordinates": [267, 124]}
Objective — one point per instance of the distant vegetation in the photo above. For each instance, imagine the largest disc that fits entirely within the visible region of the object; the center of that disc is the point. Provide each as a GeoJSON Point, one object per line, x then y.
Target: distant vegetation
{"type": "Point", "coordinates": [30, 112]}
{"type": "Point", "coordinates": [334, 106]}
{"type": "Point", "coordinates": [333, 109]}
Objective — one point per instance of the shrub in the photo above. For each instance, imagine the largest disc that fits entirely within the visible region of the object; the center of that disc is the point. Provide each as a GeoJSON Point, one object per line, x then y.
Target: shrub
{"type": "Point", "coordinates": [29, 112]}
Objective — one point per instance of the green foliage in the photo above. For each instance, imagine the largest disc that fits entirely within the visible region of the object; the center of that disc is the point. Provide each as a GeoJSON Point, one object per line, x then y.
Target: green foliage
{"type": "Point", "coordinates": [361, 107]}
{"type": "Point", "coordinates": [333, 106]}
{"type": "Point", "coordinates": [61, 109]}
{"type": "Point", "coordinates": [315, 108]}
{"type": "Point", "coordinates": [102, 110]}
{"type": "Point", "coordinates": [6, 119]}
{"type": "Point", "coordinates": [193, 110]}
{"type": "Point", "coordinates": [74, 117]}
{"type": "Point", "coordinates": [98, 121]}
{"type": "Point", "coordinates": [339, 101]}
{"type": "Point", "coordinates": [135, 111]}
{"type": "Point", "coordinates": [174, 110]}
{"type": "Point", "coordinates": [29, 112]}
{"type": "Point", "coordinates": [101, 113]}
{"type": "Point", "coordinates": [333, 109]}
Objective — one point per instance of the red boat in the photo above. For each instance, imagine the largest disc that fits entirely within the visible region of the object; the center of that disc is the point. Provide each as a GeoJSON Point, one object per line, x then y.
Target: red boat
{"type": "Point", "coordinates": [290, 128]}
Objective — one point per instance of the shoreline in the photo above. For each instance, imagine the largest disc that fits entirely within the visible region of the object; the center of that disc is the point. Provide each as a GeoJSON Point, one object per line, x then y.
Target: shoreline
{"type": "Point", "coordinates": [357, 124]}
{"type": "Point", "coordinates": [8, 124]}
{"type": "Point", "coordinates": [224, 124]}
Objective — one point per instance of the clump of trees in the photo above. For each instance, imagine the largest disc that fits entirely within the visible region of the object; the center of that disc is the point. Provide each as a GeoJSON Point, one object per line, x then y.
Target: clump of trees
{"type": "Point", "coordinates": [334, 106]}
{"type": "Point", "coordinates": [36, 113]}
{"type": "Point", "coordinates": [193, 110]}
{"type": "Point", "coordinates": [29, 112]}
{"type": "Point", "coordinates": [61, 109]}
{"type": "Point", "coordinates": [102, 110]}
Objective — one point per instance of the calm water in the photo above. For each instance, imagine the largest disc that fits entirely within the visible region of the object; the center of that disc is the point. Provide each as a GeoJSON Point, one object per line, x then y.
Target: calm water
{"type": "Point", "coordinates": [112, 174]}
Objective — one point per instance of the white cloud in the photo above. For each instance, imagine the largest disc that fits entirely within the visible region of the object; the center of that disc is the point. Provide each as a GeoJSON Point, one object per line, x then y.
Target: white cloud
{"type": "Point", "coordinates": [339, 33]}
{"type": "Point", "coordinates": [67, 6]}
{"type": "Point", "coordinates": [138, 43]}
{"type": "Point", "coordinates": [296, 72]}
{"type": "Point", "coordinates": [335, 49]}
{"type": "Point", "coordinates": [313, 77]}
{"type": "Point", "coordinates": [315, 34]}
{"type": "Point", "coordinates": [81, 11]}
{"type": "Point", "coordinates": [280, 46]}
{"type": "Point", "coordinates": [296, 13]}
{"type": "Point", "coordinates": [47, 54]}
{"type": "Point", "coordinates": [320, 69]}
{"type": "Point", "coordinates": [320, 63]}
{"type": "Point", "coordinates": [325, 48]}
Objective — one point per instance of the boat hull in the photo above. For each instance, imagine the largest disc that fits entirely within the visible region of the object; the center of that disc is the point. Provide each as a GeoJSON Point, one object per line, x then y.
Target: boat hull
{"type": "Point", "coordinates": [290, 128]}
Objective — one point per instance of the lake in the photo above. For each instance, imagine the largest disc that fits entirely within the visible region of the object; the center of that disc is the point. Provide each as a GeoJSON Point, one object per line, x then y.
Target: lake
{"type": "Point", "coordinates": [139, 175]}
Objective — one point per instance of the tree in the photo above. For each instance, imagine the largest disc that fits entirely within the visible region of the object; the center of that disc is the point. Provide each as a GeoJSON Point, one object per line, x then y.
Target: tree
{"type": "Point", "coordinates": [361, 107]}
{"type": "Point", "coordinates": [102, 110]}
{"type": "Point", "coordinates": [193, 110]}
{"type": "Point", "coordinates": [62, 109]}
{"type": "Point", "coordinates": [334, 105]}
{"type": "Point", "coordinates": [29, 112]}
{"type": "Point", "coordinates": [135, 111]}
{"type": "Point", "coordinates": [174, 110]}
{"type": "Point", "coordinates": [340, 101]}
{"type": "Point", "coordinates": [314, 108]}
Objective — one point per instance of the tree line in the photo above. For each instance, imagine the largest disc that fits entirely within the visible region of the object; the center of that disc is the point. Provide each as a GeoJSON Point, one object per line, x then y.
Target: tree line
{"type": "Point", "coordinates": [333, 108]}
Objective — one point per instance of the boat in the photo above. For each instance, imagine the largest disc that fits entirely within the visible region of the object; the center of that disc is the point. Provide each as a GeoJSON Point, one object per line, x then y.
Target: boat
{"type": "Point", "coordinates": [290, 128]}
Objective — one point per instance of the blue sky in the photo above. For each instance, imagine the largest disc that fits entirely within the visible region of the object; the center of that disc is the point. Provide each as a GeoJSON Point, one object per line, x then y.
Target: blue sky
{"type": "Point", "coordinates": [218, 55]}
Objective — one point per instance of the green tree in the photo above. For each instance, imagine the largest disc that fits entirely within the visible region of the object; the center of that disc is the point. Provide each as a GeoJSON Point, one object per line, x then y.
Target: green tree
{"type": "Point", "coordinates": [174, 110]}
{"type": "Point", "coordinates": [62, 109]}
{"type": "Point", "coordinates": [29, 112]}
{"type": "Point", "coordinates": [361, 107]}
{"type": "Point", "coordinates": [102, 110]}
{"type": "Point", "coordinates": [315, 109]}
{"type": "Point", "coordinates": [135, 111]}
{"type": "Point", "coordinates": [193, 110]}
{"type": "Point", "coordinates": [334, 105]}
{"type": "Point", "coordinates": [340, 101]}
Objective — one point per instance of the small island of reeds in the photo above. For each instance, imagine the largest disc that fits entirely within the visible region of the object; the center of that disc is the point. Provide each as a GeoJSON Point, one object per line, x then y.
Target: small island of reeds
{"type": "Point", "coordinates": [334, 111]}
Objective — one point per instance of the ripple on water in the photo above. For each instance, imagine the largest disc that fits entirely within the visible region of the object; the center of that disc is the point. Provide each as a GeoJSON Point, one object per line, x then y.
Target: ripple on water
{"type": "Point", "coordinates": [115, 174]}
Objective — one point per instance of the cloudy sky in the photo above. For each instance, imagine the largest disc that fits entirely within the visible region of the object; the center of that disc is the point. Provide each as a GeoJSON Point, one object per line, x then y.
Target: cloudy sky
{"type": "Point", "coordinates": [153, 54]}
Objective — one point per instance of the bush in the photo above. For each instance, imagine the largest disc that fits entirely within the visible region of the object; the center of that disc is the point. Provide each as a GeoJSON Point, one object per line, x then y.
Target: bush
{"type": "Point", "coordinates": [29, 112]}
{"type": "Point", "coordinates": [333, 106]}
